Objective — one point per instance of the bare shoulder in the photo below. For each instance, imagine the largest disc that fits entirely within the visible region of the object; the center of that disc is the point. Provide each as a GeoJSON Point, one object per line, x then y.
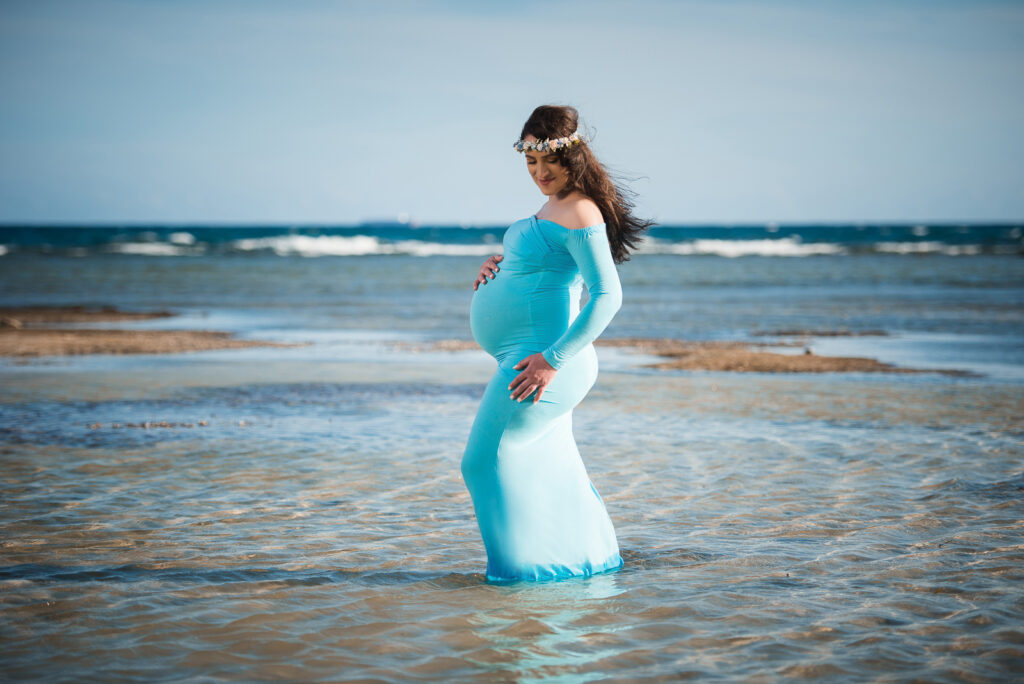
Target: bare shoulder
{"type": "Point", "coordinates": [580, 212]}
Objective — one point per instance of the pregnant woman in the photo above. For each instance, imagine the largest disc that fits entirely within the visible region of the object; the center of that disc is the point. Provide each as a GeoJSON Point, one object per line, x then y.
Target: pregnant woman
{"type": "Point", "coordinates": [539, 514]}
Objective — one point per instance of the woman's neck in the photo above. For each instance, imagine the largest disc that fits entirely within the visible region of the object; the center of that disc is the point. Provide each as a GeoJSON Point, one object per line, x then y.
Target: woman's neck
{"type": "Point", "coordinates": [555, 203]}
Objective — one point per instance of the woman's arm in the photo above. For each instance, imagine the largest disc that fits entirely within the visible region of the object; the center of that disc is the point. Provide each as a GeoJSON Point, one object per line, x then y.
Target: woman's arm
{"type": "Point", "coordinates": [589, 248]}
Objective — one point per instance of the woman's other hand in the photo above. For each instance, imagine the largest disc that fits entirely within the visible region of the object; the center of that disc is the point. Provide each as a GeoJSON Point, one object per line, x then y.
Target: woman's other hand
{"type": "Point", "coordinates": [537, 374]}
{"type": "Point", "coordinates": [489, 268]}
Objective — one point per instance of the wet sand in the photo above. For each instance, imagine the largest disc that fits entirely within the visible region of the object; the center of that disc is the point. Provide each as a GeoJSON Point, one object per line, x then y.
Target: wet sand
{"type": "Point", "coordinates": [22, 316]}
{"type": "Point", "coordinates": [48, 342]}
{"type": "Point", "coordinates": [23, 333]}
{"type": "Point", "coordinates": [742, 357]}
{"type": "Point", "coordinates": [739, 357]}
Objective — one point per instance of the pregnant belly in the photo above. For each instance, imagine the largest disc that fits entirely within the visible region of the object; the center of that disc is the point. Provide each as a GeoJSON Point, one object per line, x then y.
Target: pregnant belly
{"type": "Point", "coordinates": [499, 315]}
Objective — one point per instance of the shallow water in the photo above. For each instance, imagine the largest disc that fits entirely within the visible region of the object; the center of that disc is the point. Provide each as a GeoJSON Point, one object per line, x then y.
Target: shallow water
{"type": "Point", "coordinates": [772, 527]}
{"type": "Point", "coordinates": [316, 527]}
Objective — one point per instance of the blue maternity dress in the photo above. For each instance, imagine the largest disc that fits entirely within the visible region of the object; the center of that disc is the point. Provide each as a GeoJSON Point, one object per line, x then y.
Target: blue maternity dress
{"type": "Point", "coordinates": [539, 514]}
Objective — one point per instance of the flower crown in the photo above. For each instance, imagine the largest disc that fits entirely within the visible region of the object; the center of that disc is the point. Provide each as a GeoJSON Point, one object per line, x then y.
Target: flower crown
{"type": "Point", "coordinates": [549, 145]}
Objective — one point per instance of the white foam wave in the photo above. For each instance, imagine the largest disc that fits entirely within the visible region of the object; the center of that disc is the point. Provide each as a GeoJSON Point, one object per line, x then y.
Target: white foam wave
{"type": "Point", "coordinates": [148, 248]}
{"type": "Point", "coordinates": [182, 238]}
{"type": "Point", "coordinates": [185, 244]}
{"type": "Point", "coordinates": [306, 245]}
{"type": "Point", "coordinates": [357, 245]}
{"type": "Point", "coordinates": [782, 247]}
{"type": "Point", "coordinates": [3, 250]}
{"type": "Point", "coordinates": [419, 248]}
{"type": "Point", "coordinates": [927, 247]}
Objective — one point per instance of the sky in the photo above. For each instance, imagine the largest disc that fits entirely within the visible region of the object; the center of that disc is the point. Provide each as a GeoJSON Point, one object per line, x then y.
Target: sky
{"type": "Point", "coordinates": [713, 111]}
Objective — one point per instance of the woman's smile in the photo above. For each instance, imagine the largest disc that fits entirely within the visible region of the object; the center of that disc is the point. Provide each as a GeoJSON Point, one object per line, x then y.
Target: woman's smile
{"type": "Point", "coordinates": [547, 170]}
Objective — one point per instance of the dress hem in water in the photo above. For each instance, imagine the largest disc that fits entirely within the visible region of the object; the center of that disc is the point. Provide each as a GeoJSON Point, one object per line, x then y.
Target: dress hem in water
{"type": "Point", "coordinates": [558, 572]}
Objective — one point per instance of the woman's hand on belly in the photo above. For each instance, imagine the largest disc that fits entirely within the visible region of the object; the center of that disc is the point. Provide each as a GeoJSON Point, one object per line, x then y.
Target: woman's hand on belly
{"type": "Point", "coordinates": [537, 374]}
{"type": "Point", "coordinates": [489, 268]}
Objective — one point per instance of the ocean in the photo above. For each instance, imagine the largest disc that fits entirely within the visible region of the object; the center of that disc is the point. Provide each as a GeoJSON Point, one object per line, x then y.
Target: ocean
{"type": "Point", "coordinates": [954, 239]}
{"type": "Point", "coordinates": [297, 513]}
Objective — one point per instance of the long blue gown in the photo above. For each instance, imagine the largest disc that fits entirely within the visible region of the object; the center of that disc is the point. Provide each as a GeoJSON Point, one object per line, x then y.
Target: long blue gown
{"type": "Point", "coordinates": [539, 514]}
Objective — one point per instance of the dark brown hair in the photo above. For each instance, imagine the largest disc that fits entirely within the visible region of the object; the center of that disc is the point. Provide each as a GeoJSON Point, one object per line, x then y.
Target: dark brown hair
{"type": "Point", "coordinates": [590, 177]}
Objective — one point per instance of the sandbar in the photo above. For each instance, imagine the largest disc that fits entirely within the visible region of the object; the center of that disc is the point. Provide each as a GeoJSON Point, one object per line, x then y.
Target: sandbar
{"type": "Point", "coordinates": [733, 356]}
{"type": "Point", "coordinates": [23, 333]}
{"type": "Point", "coordinates": [21, 316]}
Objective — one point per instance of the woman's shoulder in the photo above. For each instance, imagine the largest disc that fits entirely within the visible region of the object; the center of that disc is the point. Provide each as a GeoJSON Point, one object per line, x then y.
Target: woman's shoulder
{"type": "Point", "coordinates": [579, 211]}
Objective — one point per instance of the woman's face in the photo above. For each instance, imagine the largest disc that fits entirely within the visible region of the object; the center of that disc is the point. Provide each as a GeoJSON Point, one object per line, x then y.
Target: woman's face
{"type": "Point", "coordinates": [549, 175]}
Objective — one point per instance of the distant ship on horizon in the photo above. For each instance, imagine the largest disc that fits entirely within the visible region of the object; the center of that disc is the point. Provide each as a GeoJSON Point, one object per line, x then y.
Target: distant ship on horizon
{"type": "Point", "coordinates": [403, 220]}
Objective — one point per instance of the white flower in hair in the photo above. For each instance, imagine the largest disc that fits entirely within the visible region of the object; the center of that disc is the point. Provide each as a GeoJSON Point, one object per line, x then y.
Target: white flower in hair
{"type": "Point", "coordinates": [548, 145]}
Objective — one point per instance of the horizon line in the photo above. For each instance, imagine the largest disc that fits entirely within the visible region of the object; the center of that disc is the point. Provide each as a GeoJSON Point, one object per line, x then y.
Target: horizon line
{"type": "Point", "coordinates": [473, 225]}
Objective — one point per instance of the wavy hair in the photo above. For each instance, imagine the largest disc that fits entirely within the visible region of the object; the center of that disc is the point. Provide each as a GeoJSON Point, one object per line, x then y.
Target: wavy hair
{"type": "Point", "coordinates": [590, 177]}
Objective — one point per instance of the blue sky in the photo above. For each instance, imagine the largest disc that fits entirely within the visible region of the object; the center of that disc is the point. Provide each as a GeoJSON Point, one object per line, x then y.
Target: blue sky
{"type": "Point", "coordinates": [193, 111]}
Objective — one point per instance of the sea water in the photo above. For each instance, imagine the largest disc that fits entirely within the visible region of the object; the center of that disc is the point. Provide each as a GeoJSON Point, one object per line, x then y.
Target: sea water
{"type": "Point", "coordinates": [298, 513]}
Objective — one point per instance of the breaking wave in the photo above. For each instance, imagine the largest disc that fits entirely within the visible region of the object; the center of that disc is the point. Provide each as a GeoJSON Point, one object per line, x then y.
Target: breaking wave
{"type": "Point", "coordinates": [781, 247]}
{"type": "Point", "coordinates": [357, 245]}
{"type": "Point", "coordinates": [348, 241]}
{"type": "Point", "coordinates": [927, 247]}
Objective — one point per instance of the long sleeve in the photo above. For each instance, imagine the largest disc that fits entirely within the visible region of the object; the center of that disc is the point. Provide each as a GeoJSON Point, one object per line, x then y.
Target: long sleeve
{"type": "Point", "coordinates": [592, 254]}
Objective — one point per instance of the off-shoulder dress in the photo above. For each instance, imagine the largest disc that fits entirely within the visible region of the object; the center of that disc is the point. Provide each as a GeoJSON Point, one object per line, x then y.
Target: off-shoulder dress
{"type": "Point", "coordinates": [539, 514]}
